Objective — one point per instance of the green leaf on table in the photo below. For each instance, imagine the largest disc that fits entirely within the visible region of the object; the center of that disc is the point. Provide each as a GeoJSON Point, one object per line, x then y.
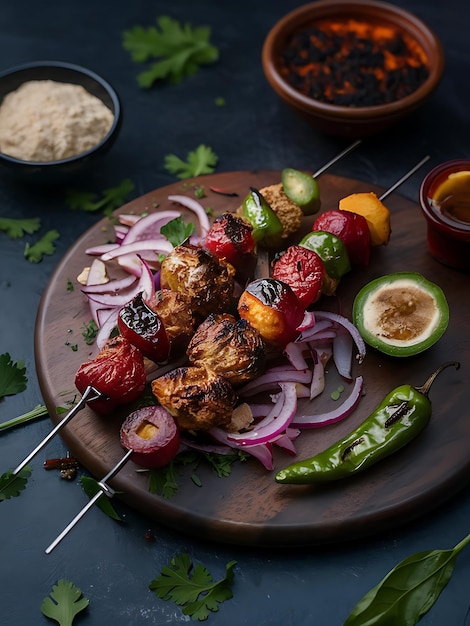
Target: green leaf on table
{"type": "Point", "coordinates": [180, 49]}
{"type": "Point", "coordinates": [408, 591]}
{"type": "Point", "coordinates": [91, 487]}
{"type": "Point", "coordinates": [64, 603]}
{"type": "Point", "coordinates": [107, 201]}
{"type": "Point", "coordinates": [177, 231]}
{"type": "Point", "coordinates": [45, 245]}
{"type": "Point", "coordinates": [11, 486]}
{"type": "Point", "coordinates": [192, 587]}
{"type": "Point", "coordinates": [203, 160]}
{"type": "Point", "coordinates": [18, 227]}
{"type": "Point", "coordinates": [12, 376]}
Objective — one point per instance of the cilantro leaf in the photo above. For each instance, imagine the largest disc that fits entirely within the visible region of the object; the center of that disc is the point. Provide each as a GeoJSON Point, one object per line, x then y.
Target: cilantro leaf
{"type": "Point", "coordinates": [16, 228]}
{"type": "Point", "coordinates": [203, 160]}
{"type": "Point", "coordinates": [110, 199]}
{"type": "Point", "coordinates": [177, 230]}
{"type": "Point", "coordinates": [64, 603]}
{"type": "Point", "coordinates": [12, 376]}
{"type": "Point", "coordinates": [11, 486]}
{"type": "Point", "coordinates": [192, 587]}
{"type": "Point", "coordinates": [43, 246]}
{"type": "Point", "coordinates": [91, 487]}
{"type": "Point", "coordinates": [90, 330]}
{"type": "Point", "coordinates": [179, 48]}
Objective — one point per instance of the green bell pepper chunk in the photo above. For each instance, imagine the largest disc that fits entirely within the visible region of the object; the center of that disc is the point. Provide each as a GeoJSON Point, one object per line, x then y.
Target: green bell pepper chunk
{"type": "Point", "coordinates": [267, 227]}
{"type": "Point", "coordinates": [331, 250]}
{"type": "Point", "coordinates": [302, 189]}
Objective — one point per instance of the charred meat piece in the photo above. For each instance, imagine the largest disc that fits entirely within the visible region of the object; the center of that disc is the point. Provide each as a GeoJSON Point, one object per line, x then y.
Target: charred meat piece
{"type": "Point", "coordinates": [230, 347]}
{"type": "Point", "coordinates": [201, 275]}
{"type": "Point", "coordinates": [197, 397]}
{"type": "Point", "coordinates": [175, 311]}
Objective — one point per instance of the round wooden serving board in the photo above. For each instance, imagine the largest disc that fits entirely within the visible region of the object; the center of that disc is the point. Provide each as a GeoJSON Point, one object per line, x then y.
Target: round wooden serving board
{"type": "Point", "coordinates": [249, 507]}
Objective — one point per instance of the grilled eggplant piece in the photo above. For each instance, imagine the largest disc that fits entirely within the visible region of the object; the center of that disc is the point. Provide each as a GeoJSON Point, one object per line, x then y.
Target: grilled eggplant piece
{"type": "Point", "coordinates": [175, 311]}
{"type": "Point", "coordinates": [230, 347]}
{"type": "Point", "coordinates": [201, 275]}
{"type": "Point", "coordinates": [197, 397]}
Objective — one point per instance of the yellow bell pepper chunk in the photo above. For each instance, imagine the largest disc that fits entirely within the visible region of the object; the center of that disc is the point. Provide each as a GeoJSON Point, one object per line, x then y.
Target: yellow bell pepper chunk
{"type": "Point", "coordinates": [376, 214]}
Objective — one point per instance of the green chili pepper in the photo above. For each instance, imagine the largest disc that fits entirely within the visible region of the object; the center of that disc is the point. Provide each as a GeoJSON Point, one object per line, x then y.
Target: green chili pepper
{"type": "Point", "coordinates": [267, 227]}
{"type": "Point", "coordinates": [400, 417]}
{"type": "Point", "coordinates": [331, 250]}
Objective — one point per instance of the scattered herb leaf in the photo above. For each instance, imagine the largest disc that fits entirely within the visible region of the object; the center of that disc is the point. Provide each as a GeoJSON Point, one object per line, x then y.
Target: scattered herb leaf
{"type": "Point", "coordinates": [11, 486]}
{"type": "Point", "coordinates": [409, 590]}
{"type": "Point", "coordinates": [12, 376]}
{"type": "Point", "coordinates": [180, 49]}
{"type": "Point", "coordinates": [91, 487]}
{"type": "Point", "coordinates": [17, 227]}
{"type": "Point", "coordinates": [177, 231]}
{"type": "Point", "coordinates": [220, 101]}
{"type": "Point", "coordinates": [70, 286]}
{"type": "Point", "coordinates": [203, 160]}
{"type": "Point", "coordinates": [163, 480]}
{"type": "Point", "coordinates": [109, 200]}
{"type": "Point", "coordinates": [199, 191]}
{"type": "Point", "coordinates": [192, 587]}
{"type": "Point", "coordinates": [64, 603]}
{"type": "Point", "coordinates": [90, 330]}
{"type": "Point", "coordinates": [39, 411]}
{"type": "Point", "coordinates": [45, 245]}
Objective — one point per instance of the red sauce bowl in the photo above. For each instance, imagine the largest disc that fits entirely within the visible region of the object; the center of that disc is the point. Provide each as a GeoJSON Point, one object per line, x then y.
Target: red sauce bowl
{"type": "Point", "coordinates": [448, 228]}
{"type": "Point", "coordinates": [345, 120]}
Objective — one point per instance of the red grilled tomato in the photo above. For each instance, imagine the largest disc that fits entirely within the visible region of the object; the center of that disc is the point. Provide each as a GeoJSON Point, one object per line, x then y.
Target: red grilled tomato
{"type": "Point", "coordinates": [353, 231]}
{"type": "Point", "coordinates": [270, 306]}
{"type": "Point", "coordinates": [118, 372]}
{"type": "Point", "coordinates": [303, 270]}
{"type": "Point", "coordinates": [153, 436]}
{"type": "Point", "coordinates": [143, 328]}
{"type": "Point", "coordinates": [230, 238]}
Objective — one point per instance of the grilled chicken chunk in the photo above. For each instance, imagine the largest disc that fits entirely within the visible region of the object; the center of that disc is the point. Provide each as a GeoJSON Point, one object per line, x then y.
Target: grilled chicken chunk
{"type": "Point", "coordinates": [175, 311]}
{"type": "Point", "coordinates": [228, 346]}
{"type": "Point", "coordinates": [201, 275]}
{"type": "Point", "coordinates": [197, 397]}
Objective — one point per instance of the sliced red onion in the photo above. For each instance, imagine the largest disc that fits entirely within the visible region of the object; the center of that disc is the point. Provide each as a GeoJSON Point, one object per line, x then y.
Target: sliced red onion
{"type": "Point", "coordinates": [145, 284]}
{"type": "Point", "coordinates": [113, 286]}
{"type": "Point", "coordinates": [294, 353]}
{"type": "Point", "coordinates": [106, 328]}
{"type": "Point", "coordinates": [266, 430]}
{"type": "Point", "coordinates": [315, 330]}
{"type": "Point", "coordinates": [160, 245]}
{"type": "Point", "coordinates": [349, 326]}
{"type": "Point", "coordinates": [148, 227]}
{"type": "Point", "coordinates": [270, 379]}
{"type": "Point", "coordinates": [129, 219]}
{"type": "Point", "coordinates": [197, 208]}
{"type": "Point", "coordinates": [335, 415]}
{"type": "Point", "coordinates": [318, 376]}
{"type": "Point", "coordinates": [101, 249]}
{"type": "Point", "coordinates": [342, 353]}
{"type": "Point", "coordinates": [308, 321]}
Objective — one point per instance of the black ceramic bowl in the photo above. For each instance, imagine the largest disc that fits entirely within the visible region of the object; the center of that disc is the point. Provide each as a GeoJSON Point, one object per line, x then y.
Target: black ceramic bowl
{"type": "Point", "coordinates": [64, 169]}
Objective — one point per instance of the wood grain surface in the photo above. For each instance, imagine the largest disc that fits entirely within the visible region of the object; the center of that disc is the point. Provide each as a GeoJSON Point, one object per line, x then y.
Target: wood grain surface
{"type": "Point", "coordinates": [249, 508]}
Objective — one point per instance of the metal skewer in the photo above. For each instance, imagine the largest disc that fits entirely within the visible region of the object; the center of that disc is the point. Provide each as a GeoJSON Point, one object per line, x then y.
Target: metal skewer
{"type": "Point", "coordinates": [404, 177]}
{"type": "Point", "coordinates": [337, 158]}
{"type": "Point", "coordinates": [89, 395]}
{"type": "Point", "coordinates": [105, 489]}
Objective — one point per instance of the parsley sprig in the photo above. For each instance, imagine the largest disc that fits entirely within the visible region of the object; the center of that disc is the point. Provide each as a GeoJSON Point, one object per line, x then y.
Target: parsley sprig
{"type": "Point", "coordinates": [64, 603]}
{"type": "Point", "coordinates": [107, 201]}
{"type": "Point", "coordinates": [202, 160]}
{"type": "Point", "coordinates": [15, 228]}
{"type": "Point", "coordinates": [13, 377]}
{"type": "Point", "coordinates": [35, 253]}
{"type": "Point", "coordinates": [11, 486]}
{"type": "Point", "coordinates": [180, 49]}
{"type": "Point", "coordinates": [192, 586]}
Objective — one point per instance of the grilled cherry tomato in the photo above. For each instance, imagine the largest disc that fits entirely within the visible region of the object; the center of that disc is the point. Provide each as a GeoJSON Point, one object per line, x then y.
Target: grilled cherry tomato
{"type": "Point", "coordinates": [303, 270]}
{"type": "Point", "coordinates": [143, 328]}
{"type": "Point", "coordinates": [353, 231]}
{"type": "Point", "coordinates": [152, 434]}
{"type": "Point", "coordinates": [230, 238]}
{"type": "Point", "coordinates": [270, 306]}
{"type": "Point", "coordinates": [117, 372]}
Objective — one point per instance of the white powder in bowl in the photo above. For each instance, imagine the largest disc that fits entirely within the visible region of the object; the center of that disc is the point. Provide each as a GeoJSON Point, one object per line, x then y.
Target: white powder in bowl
{"type": "Point", "coordinates": [44, 120]}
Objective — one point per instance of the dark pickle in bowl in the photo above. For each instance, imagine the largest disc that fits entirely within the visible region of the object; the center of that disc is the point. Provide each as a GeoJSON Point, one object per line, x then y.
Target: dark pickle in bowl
{"type": "Point", "coordinates": [445, 201]}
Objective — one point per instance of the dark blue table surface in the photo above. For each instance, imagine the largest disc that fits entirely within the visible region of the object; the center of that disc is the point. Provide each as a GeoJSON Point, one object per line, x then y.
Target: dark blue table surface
{"type": "Point", "coordinates": [111, 562]}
